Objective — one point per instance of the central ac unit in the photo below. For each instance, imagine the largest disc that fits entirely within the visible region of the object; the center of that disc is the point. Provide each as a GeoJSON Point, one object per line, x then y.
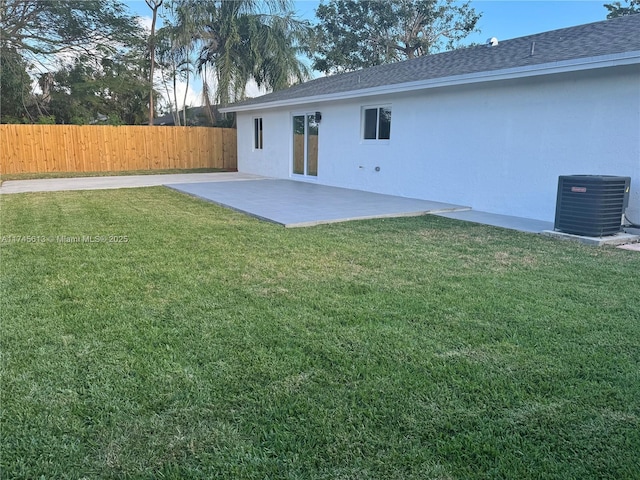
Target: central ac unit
{"type": "Point", "coordinates": [591, 205]}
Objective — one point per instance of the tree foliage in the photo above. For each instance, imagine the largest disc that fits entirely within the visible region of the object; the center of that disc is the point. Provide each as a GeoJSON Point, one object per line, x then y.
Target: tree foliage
{"type": "Point", "coordinates": [44, 28]}
{"type": "Point", "coordinates": [15, 87]}
{"type": "Point", "coordinates": [352, 34]}
{"type": "Point", "coordinates": [87, 57]}
{"type": "Point", "coordinates": [617, 10]}
{"type": "Point", "coordinates": [93, 61]}
{"type": "Point", "coordinates": [243, 40]}
{"type": "Point", "coordinates": [113, 90]}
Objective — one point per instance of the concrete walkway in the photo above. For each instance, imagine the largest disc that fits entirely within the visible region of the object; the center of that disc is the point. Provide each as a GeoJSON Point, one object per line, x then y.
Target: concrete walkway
{"type": "Point", "coordinates": [631, 246]}
{"type": "Point", "coordinates": [123, 181]}
{"type": "Point", "coordinates": [505, 221]}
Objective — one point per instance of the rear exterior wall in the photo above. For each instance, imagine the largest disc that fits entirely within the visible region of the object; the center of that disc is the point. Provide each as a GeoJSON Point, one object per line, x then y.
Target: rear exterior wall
{"type": "Point", "coordinates": [497, 147]}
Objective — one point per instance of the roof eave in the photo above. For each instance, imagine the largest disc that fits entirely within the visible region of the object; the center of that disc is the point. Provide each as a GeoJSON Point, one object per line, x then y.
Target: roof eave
{"type": "Point", "coordinates": [587, 63]}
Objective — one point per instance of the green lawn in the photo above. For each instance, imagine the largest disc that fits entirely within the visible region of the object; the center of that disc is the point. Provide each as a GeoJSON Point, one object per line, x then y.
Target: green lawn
{"type": "Point", "coordinates": [189, 341]}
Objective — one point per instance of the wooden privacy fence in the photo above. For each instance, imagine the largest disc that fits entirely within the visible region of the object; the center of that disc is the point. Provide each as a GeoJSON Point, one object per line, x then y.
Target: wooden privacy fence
{"type": "Point", "coordinates": [92, 148]}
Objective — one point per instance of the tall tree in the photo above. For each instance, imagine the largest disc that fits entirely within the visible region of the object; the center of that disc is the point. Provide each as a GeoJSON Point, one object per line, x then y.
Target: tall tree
{"type": "Point", "coordinates": [48, 33]}
{"type": "Point", "coordinates": [111, 90]}
{"type": "Point", "coordinates": [169, 61]}
{"type": "Point", "coordinates": [243, 40]}
{"type": "Point", "coordinates": [46, 28]}
{"type": "Point", "coordinates": [352, 34]}
{"type": "Point", "coordinates": [15, 87]}
{"type": "Point", "coordinates": [617, 10]}
{"type": "Point", "coordinates": [175, 54]}
{"type": "Point", "coordinates": [154, 5]}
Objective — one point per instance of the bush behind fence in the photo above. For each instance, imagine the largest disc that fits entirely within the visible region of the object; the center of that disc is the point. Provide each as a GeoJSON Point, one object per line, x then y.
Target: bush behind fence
{"type": "Point", "coordinates": [93, 148]}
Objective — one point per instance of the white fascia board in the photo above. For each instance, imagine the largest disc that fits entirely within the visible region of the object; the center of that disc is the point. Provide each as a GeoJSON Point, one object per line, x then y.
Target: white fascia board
{"type": "Point", "coordinates": [588, 63]}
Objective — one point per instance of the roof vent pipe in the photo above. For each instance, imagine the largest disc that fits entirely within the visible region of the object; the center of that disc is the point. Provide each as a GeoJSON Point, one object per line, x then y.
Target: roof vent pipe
{"type": "Point", "coordinates": [492, 42]}
{"type": "Point", "coordinates": [533, 49]}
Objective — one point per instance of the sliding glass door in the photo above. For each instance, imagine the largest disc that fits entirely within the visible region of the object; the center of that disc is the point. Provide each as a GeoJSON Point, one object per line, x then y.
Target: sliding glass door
{"type": "Point", "coordinates": [305, 145]}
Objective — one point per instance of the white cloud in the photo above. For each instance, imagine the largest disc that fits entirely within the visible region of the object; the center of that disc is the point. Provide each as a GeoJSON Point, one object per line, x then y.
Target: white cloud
{"type": "Point", "coordinates": [253, 90]}
{"type": "Point", "coordinates": [193, 92]}
{"type": "Point", "coordinates": [194, 96]}
{"type": "Point", "coordinates": [145, 22]}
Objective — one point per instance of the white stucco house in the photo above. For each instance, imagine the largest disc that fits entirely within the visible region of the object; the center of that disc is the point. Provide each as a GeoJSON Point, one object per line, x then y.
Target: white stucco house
{"type": "Point", "coordinates": [491, 126]}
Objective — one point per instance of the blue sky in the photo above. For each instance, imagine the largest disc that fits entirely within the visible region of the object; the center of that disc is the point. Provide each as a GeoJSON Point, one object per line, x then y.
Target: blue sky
{"type": "Point", "coordinates": [511, 19]}
{"type": "Point", "coordinates": [503, 19]}
{"type": "Point", "coordinates": [506, 19]}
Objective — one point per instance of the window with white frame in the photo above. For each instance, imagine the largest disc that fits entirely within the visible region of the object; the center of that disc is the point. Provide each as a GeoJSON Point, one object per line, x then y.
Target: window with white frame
{"type": "Point", "coordinates": [376, 123]}
{"type": "Point", "coordinates": [257, 133]}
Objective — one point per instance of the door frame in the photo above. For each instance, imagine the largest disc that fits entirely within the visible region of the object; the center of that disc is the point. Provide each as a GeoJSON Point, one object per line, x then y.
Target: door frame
{"type": "Point", "coordinates": [302, 176]}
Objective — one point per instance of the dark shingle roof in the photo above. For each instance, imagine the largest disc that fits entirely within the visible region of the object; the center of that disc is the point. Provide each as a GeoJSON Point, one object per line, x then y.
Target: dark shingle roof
{"type": "Point", "coordinates": [597, 39]}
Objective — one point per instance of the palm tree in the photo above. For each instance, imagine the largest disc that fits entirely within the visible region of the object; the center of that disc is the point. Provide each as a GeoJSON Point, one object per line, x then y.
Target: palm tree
{"type": "Point", "coordinates": [242, 40]}
{"type": "Point", "coordinates": [154, 5]}
{"type": "Point", "coordinates": [175, 60]}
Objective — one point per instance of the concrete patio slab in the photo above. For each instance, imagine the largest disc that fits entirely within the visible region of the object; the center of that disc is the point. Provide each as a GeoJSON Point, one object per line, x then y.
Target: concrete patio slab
{"type": "Point", "coordinates": [123, 181]}
{"type": "Point", "coordinates": [301, 204]}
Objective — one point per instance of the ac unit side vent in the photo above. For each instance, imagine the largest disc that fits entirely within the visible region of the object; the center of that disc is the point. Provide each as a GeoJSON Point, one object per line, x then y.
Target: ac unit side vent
{"type": "Point", "coordinates": [591, 205]}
